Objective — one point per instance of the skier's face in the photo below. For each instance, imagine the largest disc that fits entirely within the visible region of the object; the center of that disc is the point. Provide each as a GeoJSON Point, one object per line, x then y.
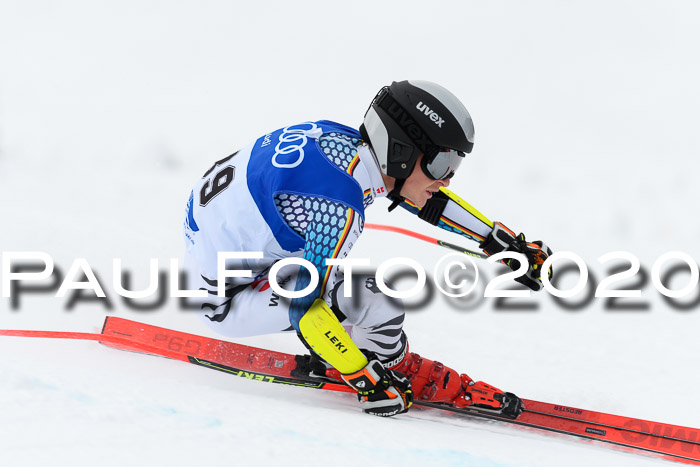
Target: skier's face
{"type": "Point", "coordinates": [419, 187]}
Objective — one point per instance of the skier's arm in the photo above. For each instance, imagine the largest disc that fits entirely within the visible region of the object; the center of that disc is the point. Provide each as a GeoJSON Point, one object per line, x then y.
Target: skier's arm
{"type": "Point", "coordinates": [381, 391]}
{"type": "Point", "coordinates": [450, 212]}
{"type": "Point", "coordinates": [331, 233]}
{"type": "Point", "coordinates": [331, 230]}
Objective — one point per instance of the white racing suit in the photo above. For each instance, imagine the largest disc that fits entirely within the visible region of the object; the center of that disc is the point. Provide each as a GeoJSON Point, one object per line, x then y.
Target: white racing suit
{"type": "Point", "coordinates": [300, 191]}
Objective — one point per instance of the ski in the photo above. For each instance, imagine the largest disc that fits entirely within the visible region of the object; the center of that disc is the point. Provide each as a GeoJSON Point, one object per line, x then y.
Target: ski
{"type": "Point", "coordinates": [241, 360]}
{"type": "Point", "coordinates": [681, 444]}
{"type": "Point", "coordinates": [670, 441]}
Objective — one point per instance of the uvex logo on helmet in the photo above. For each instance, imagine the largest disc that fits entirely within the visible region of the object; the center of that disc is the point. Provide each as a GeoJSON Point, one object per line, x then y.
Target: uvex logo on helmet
{"type": "Point", "coordinates": [407, 123]}
{"type": "Point", "coordinates": [431, 114]}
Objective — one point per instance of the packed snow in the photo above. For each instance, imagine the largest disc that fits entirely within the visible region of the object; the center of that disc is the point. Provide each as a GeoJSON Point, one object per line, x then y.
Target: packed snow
{"type": "Point", "coordinates": [586, 137]}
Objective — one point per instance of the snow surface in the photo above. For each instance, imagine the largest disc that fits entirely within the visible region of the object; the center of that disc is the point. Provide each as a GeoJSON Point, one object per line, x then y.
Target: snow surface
{"type": "Point", "coordinates": [587, 121]}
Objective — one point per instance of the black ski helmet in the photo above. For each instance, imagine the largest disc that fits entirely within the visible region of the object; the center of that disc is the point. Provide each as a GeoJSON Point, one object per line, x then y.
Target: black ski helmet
{"type": "Point", "coordinates": [413, 117]}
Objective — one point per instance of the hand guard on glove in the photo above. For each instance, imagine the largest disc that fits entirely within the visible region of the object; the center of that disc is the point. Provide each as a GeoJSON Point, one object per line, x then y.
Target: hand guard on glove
{"type": "Point", "coordinates": [382, 392]}
{"type": "Point", "coordinates": [502, 238]}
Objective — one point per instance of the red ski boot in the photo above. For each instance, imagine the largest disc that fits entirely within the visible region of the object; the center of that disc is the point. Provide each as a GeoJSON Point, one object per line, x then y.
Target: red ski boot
{"type": "Point", "coordinates": [434, 382]}
{"type": "Point", "coordinates": [431, 382]}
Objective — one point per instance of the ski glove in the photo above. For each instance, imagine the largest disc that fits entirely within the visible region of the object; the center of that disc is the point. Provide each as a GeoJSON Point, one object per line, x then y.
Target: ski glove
{"type": "Point", "coordinates": [502, 238]}
{"type": "Point", "coordinates": [381, 392]}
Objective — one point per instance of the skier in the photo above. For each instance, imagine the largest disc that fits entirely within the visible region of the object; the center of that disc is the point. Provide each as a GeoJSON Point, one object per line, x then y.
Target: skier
{"type": "Point", "coordinates": [301, 191]}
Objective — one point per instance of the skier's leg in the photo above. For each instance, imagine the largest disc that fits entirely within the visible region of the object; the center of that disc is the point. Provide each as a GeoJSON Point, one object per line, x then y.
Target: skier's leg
{"type": "Point", "coordinates": [375, 320]}
{"type": "Point", "coordinates": [377, 326]}
{"type": "Point", "coordinates": [250, 308]}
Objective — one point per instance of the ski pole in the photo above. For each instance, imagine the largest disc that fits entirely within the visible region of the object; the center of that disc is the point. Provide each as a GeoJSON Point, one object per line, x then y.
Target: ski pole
{"type": "Point", "coordinates": [425, 238]}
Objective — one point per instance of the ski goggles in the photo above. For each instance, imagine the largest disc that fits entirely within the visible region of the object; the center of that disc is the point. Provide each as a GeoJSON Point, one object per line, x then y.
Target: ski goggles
{"type": "Point", "coordinates": [443, 165]}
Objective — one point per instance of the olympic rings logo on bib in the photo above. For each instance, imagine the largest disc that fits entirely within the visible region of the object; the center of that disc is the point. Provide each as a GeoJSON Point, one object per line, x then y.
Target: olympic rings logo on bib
{"type": "Point", "coordinates": [292, 141]}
